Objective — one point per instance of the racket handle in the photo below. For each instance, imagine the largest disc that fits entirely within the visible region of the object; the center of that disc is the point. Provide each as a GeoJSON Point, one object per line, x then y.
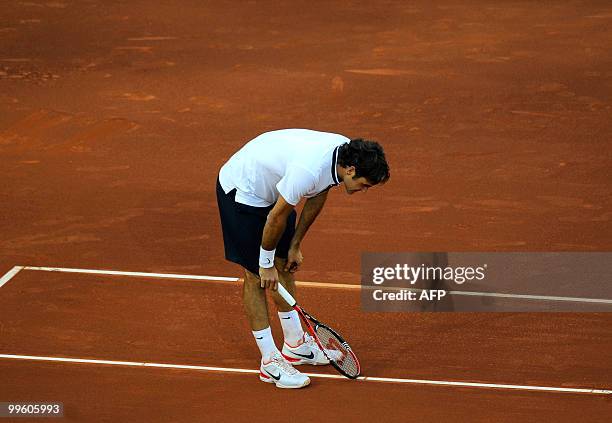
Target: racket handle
{"type": "Point", "coordinates": [286, 296]}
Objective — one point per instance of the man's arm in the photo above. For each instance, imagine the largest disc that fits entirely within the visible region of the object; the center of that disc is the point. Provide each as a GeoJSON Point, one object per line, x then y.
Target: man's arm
{"type": "Point", "coordinates": [312, 208]}
{"type": "Point", "coordinates": [273, 230]}
{"type": "Point", "coordinates": [276, 223]}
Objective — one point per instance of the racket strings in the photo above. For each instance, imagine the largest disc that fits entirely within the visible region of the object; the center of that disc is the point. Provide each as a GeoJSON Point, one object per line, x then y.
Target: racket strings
{"type": "Point", "coordinates": [337, 351]}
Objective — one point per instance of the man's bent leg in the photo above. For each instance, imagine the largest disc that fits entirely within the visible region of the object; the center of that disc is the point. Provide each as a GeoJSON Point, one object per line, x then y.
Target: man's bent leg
{"type": "Point", "coordinates": [289, 318]}
{"type": "Point", "coordinates": [254, 300]}
{"type": "Point", "coordinates": [288, 281]}
{"type": "Point", "coordinates": [298, 347]}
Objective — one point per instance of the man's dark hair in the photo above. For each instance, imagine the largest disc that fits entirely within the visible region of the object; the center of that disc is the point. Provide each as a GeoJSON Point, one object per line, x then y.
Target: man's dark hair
{"type": "Point", "coordinates": [369, 160]}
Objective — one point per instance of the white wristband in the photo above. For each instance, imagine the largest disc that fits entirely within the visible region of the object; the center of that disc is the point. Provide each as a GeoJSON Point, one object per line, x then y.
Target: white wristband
{"type": "Point", "coordinates": [266, 258]}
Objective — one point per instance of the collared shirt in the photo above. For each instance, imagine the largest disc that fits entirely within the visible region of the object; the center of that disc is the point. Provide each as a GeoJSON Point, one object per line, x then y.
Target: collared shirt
{"type": "Point", "coordinates": [294, 163]}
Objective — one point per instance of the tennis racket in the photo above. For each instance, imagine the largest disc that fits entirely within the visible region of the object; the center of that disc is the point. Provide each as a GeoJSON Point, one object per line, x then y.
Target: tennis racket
{"type": "Point", "coordinates": [334, 347]}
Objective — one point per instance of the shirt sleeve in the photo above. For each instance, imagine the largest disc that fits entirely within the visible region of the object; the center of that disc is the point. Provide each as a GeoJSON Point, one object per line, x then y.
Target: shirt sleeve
{"type": "Point", "coordinates": [296, 183]}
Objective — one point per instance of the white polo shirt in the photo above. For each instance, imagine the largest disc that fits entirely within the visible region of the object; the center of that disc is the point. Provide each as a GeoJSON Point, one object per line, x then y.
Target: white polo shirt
{"type": "Point", "coordinates": [294, 163]}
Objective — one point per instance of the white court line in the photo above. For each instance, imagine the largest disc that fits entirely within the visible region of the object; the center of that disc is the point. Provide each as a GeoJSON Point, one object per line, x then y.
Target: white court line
{"type": "Point", "coordinates": [315, 375]}
{"type": "Point", "coordinates": [137, 274]}
{"type": "Point", "coordinates": [318, 284]}
{"type": "Point", "coordinates": [533, 297]}
{"type": "Point", "coordinates": [502, 295]}
{"type": "Point", "coordinates": [9, 275]}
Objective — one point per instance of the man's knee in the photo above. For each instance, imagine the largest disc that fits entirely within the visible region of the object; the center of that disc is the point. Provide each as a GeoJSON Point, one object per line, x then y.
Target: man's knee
{"type": "Point", "coordinates": [251, 284]}
{"type": "Point", "coordinates": [250, 276]}
{"type": "Point", "coordinates": [280, 264]}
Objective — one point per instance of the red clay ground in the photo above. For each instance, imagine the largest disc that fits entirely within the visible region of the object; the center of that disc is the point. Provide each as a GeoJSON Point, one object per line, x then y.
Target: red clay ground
{"type": "Point", "coordinates": [115, 117]}
{"type": "Point", "coordinates": [155, 395]}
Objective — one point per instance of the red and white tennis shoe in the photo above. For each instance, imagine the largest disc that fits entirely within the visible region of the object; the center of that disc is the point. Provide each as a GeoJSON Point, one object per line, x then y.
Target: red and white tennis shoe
{"type": "Point", "coordinates": [306, 352]}
{"type": "Point", "coordinates": [281, 373]}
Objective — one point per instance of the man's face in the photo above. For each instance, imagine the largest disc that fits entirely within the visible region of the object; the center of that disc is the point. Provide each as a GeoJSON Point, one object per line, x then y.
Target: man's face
{"type": "Point", "coordinates": [353, 185]}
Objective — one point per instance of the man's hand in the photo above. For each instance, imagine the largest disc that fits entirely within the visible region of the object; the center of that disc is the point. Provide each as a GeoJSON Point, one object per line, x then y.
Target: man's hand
{"type": "Point", "coordinates": [294, 259]}
{"type": "Point", "coordinates": [268, 277]}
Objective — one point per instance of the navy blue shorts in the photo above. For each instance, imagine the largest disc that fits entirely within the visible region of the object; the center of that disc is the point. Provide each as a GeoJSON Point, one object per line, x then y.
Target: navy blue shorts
{"type": "Point", "coordinates": [243, 227]}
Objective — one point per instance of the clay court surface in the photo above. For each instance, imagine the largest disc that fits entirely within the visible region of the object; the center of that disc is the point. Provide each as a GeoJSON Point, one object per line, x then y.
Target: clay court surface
{"type": "Point", "coordinates": [116, 116]}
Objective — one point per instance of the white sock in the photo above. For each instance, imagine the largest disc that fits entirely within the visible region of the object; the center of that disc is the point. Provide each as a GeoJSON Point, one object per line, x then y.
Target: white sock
{"type": "Point", "coordinates": [265, 342]}
{"type": "Point", "coordinates": [292, 327]}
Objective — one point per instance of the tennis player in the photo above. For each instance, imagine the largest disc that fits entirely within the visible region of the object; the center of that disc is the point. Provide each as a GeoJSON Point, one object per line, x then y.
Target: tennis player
{"type": "Point", "coordinates": [257, 190]}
